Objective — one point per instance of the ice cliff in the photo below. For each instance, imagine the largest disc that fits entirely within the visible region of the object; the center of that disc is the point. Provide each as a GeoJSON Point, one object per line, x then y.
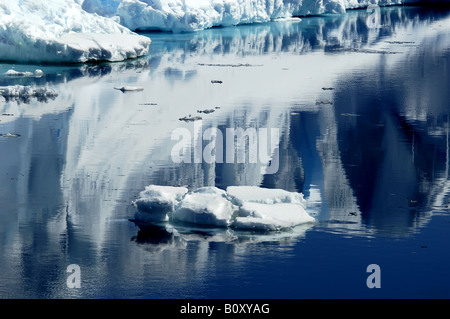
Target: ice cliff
{"type": "Point", "coordinates": [61, 31]}
{"type": "Point", "coordinates": [102, 30]}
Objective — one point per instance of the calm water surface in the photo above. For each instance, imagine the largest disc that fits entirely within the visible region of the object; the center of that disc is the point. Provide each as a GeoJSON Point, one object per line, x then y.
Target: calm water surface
{"type": "Point", "coordinates": [363, 115]}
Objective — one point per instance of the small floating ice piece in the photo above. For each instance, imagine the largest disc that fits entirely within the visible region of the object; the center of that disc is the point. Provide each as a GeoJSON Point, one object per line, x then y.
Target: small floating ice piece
{"type": "Point", "coordinates": [190, 118]}
{"type": "Point", "coordinates": [321, 102]}
{"type": "Point", "coordinates": [129, 88]}
{"type": "Point", "coordinates": [37, 73]}
{"type": "Point", "coordinates": [206, 206]}
{"type": "Point", "coordinates": [271, 217]}
{"type": "Point", "coordinates": [241, 194]}
{"type": "Point", "coordinates": [207, 111]}
{"type": "Point", "coordinates": [10, 135]}
{"type": "Point", "coordinates": [156, 202]}
{"type": "Point", "coordinates": [17, 73]}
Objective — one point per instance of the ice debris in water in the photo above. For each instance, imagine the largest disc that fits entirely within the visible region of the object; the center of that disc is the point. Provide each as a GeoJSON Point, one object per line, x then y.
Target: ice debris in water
{"type": "Point", "coordinates": [10, 135]}
{"type": "Point", "coordinates": [205, 206]}
{"type": "Point", "coordinates": [129, 88]}
{"type": "Point", "coordinates": [37, 73]}
{"type": "Point", "coordinates": [239, 207]}
{"type": "Point", "coordinates": [26, 91]}
{"type": "Point", "coordinates": [193, 15]}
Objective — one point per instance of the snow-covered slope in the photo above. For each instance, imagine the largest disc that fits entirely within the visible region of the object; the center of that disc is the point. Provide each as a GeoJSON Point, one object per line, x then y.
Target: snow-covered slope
{"type": "Point", "coordinates": [61, 31]}
{"type": "Point", "coordinates": [192, 15]}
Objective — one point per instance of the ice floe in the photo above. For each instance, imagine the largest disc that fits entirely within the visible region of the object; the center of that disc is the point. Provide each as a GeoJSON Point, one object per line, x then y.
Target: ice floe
{"type": "Point", "coordinates": [239, 207]}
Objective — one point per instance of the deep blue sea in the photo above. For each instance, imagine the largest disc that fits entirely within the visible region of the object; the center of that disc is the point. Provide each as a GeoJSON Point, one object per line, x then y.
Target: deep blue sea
{"type": "Point", "coordinates": [363, 114]}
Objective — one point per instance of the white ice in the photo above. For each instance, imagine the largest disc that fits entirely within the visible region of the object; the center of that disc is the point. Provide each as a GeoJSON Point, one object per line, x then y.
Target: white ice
{"type": "Point", "coordinates": [156, 202]}
{"type": "Point", "coordinates": [61, 31]}
{"type": "Point", "coordinates": [25, 91]}
{"type": "Point", "coordinates": [206, 206]}
{"type": "Point", "coordinates": [271, 217]}
{"type": "Point", "coordinates": [193, 15]}
{"type": "Point", "coordinates": [13, 73]}
{"type": "Point", "coordinates": [241, 207]}
{"type": "Point", "coordinates": [241, 194]}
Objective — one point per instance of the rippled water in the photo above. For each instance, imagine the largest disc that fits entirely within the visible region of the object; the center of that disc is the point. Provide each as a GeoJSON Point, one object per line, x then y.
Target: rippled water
{"type": "Point", "coordinates": [363, 115]}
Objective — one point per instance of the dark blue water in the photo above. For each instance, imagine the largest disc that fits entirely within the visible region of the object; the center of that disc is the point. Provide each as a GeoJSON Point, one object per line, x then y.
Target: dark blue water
{"type": "Point", "coordinates": [371, 155]}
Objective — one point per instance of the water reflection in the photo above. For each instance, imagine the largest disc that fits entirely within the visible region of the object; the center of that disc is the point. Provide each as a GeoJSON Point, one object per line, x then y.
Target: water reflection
{"type": "Point", "coordinates": [373, 161]}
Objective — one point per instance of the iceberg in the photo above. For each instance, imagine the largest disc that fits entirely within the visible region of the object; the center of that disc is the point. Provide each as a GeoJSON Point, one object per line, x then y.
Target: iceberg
{"type": "Point", "coordinates": [61, 31]}
{"type": "Point", "coordinates": [194, 15]}
{"type": "Point", "coordinates": [25, 92]}
{"type": "Point", "coordinates": [239, 207]}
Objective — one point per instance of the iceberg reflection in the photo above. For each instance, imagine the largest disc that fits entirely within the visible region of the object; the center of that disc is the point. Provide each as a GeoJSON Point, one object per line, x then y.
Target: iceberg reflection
{"type": "Point", "coordinates": [372, 162]}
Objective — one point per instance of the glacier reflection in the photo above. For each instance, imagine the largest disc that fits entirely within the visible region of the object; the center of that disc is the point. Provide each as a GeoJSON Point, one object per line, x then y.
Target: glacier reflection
{"type": "Point", "coordinates": [373, 162]}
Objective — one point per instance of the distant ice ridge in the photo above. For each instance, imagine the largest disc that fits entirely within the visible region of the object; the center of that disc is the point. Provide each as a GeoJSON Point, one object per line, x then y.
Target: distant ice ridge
{"type": "Point", "coordinates": [61, 31]}
{"type": "Point", "coordinates": [194, 15]}
{"type": "Point", "coordinates": [240, 207]}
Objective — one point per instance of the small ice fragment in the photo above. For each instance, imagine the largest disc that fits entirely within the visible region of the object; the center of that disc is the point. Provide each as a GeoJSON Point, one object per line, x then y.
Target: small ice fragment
{"type": "Point", "coordinates": [207, 111]}
{"type": "Point", "coordinates": [10, 135]}
{"type": "Point", "coordinates": [320, 102]}
{"type": "Point", "coordinates": [129, 88]}
{"type": "Point", "coordinates": [38, 73]}
{"type": "Point", "coordinates": [190, 118]}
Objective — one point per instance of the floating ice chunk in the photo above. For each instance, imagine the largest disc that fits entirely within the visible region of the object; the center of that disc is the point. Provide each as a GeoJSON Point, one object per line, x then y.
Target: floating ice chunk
{"type": "Point", "coordinates": [10, 135]}
{"type": "Point", "coordinates": [240, 207]}
{"type": "Point", "coordinates": [206, 206]}
{"type": "Point", "coordinates": [156, 202]}
{"type": "Point", "coordinates": [37, 73]}
{"type": "Point", "coordinates": [241, 194]}
{"type": "Point", "coordinates": [129, 88]}
{"type": "Point", "coordinates": [26, 91]}
{"type": "Point", "coordinates": [17, 73]}
{"type": "Point", "coordinates": [271, 217]}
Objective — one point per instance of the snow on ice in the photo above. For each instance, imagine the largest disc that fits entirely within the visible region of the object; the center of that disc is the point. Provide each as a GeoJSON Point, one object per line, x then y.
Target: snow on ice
{"type": "Point", "coordinates": [194, 15]}
{"type": "Point", "coordinates": [240, 207]}
{"type": "Point", "coordinates": [61, 31]}
{"type": "Point", "coordinates": [205, 206]}
{"type": "Point", "coordinates": [156, 202]}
